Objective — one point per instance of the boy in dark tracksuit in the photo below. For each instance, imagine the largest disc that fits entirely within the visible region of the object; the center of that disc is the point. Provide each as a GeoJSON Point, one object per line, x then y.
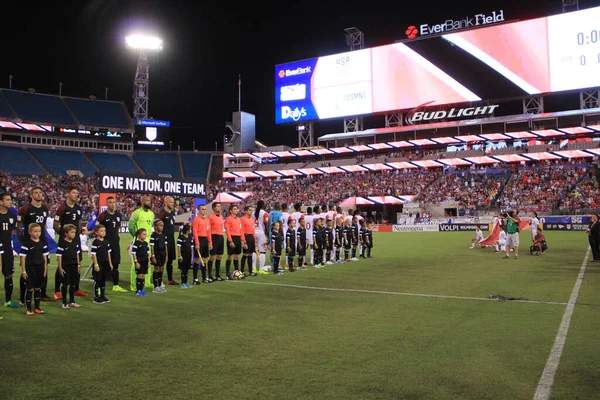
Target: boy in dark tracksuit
{"type": "Point", "coordinates": [368, 239]}
{"type": "Point", "coordinates": [185, 246]}
{"type": "Point", "coordinates": [34, 267]}
{"type": "Point", "coordinates": [276, 246]}
{"type": "Point", "coordinates": [139, 252]}
{"type": "Point", "coordinates": [100, 253]}
{"type": "Point", "coordinates": [329, 238]}
{"type": "Point", "coordinates": [301, 242]}
{"type": "Point", "coordinates": [347, 233]}
{"type": "Point", "coordinates": [67, 254]}
{"type": "Point", "coordinates": [290, 242]}
{"type": "Point", "coordinates": [337, 239]}
{"type": "Point", "coordinates": [159, 253]}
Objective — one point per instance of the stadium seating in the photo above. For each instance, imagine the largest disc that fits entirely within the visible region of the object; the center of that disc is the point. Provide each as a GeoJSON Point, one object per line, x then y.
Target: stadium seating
{"type": "Point", "coordinates": [158, 163]}
{"type": "Point", "coordinates": [108, 162]}
{"type": "Point", "coordinates": [99, 113]}
{"type": "Point", "coordinates": [195, 165]}
{"type": "Point", "coordinates": [16, 161]}
{"type": "Point", "coordinates": [57, 162]}
{"type": "Point", "coordinates": [40, 108]}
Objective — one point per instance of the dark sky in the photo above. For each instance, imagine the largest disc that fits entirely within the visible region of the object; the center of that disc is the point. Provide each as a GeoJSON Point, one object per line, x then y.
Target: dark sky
{"type": "Point", "coordinates": [207, 44]}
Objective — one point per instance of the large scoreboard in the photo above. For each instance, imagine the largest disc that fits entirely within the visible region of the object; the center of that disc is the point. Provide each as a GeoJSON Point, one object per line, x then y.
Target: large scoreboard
{"type": "Point", "coordinates": [544, 55]}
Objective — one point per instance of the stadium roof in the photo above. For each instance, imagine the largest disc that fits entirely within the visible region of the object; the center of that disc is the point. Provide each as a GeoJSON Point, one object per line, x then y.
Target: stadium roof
{"type": "Point", "coordinates": [510, 119]}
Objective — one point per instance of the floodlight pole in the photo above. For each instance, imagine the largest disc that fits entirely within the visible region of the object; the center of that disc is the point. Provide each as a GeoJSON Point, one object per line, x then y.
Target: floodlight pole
{"type": "Point", "coordinates": [10, 78]}
{"type": "Point", "coordinates": [141, 83]}
{"type": "Point", "coordinates": [355, 40]}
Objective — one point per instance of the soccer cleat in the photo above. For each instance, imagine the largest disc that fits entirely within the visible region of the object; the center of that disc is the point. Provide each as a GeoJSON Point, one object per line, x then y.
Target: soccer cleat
{"type": "Point", "coordinates": [104, 299]}
{"type": "Point", "coordinates": [75, 305]}
{"type": "Point", "coordinates": [143, 293]}
{"type": "Point", "coordinates": [196, 282]}
{"type": "Point", "coordinates": [29, 312]}
{"type": "Point", "coordinates": [207, 281]}
{"type": "Point", "coordinates": [138, 293]}
{"type": "Point", "coordinates": [38, 311]}
{"type": "Point", "coordinates": [253, 274]}
{"type": "Point", "coordinates": [228, 277]}
{"type": "Point", "coordinates": [172, 283]}
{"type": "Point", "coordinates": [81, 293]}
{"type": "Point", "coordinates": [21, 304]}
{"type": "Point", "coordinates": [57, 296]}
{"type": "Point", "coordinates": [49, 299]}
{"type": "Point", "coordinates": [505, 256]}
{"type": "Point", "coordinates": [98, 300]}
{"type": "Point", "coordinates": [516, 256]}
{"type": "Point", "coordinates": [219, 279]}
{"type": "Point", "coordinates": [119, 289]}
{"type": "Point", "coordinates": [65, 307]}
{"type": "Point", "coordinates": [156, 290]}
{"type": "Point", "coordinates": [11, 304]}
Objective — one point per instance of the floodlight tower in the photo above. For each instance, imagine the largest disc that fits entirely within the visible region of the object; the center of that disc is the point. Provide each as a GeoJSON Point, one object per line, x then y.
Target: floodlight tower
{"type": "Point", "coordinates": [143, 44]}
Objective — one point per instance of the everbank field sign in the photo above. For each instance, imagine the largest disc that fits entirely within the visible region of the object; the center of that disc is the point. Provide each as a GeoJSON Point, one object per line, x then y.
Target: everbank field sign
{"type": "Point", "coordinates": [452, 25]}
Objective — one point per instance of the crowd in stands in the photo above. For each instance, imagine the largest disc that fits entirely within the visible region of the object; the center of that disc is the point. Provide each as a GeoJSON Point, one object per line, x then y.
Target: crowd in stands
{"type": "Point", "coordinates": [551, 185]}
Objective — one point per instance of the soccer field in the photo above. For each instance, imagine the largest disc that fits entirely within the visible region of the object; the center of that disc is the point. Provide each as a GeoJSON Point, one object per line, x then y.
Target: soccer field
{"type": "Point", "coordinates": [414, 322]}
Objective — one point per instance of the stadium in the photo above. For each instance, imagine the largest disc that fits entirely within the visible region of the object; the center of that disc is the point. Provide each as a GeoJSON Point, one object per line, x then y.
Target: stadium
{"type": "Point", "coordinates": [443, 246]}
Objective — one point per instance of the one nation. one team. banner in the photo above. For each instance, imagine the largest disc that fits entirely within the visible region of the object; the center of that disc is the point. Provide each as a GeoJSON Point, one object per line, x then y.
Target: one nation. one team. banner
{"type": "Point", "coordinates": [114, 183]}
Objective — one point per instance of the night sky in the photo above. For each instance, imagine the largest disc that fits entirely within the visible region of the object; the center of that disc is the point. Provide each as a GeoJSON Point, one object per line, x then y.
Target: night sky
{"type": "Point", "coordinates": [194, 80]}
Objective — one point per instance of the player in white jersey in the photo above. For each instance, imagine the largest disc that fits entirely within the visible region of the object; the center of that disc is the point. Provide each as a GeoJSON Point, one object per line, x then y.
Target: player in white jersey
{"type": "Point", "coordinates": [501, 243]}
{"type": "Point", "coordinates": [478, 237]}
{"type": "Point", "coordinates": [535, 223]}
{"type": "Point", "coordinates": [261, 222]}
{"type": "Point", "coordinates": [309, 221]}
{"type": "Point", "coordinates": [285, 216]}
{"type": "Point", "coordinates": [297, 214]}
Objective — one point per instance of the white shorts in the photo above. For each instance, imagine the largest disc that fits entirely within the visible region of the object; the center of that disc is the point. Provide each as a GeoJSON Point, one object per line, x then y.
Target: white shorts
{"type": "Point", "coordinates": [512, 239]}
{"type": "Point", "coordinates": [261, 241]}
{"type": "Point", "coordinates": [533, 233]}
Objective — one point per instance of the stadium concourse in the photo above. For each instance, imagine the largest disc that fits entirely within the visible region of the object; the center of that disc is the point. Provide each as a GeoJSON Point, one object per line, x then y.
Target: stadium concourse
{"type": "Point", "coordinates": [565, 186]}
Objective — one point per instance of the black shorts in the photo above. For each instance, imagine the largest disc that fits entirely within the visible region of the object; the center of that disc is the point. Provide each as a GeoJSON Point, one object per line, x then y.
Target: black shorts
{"type": "Point", "coordinates": [171, 249]}
{"type": "Point", "coordinates": [185, 263]}
{"type": "Point", "coordinates": [70, 276]}
{"type": "Point", "coordinates": [8, 263]}
{"type": "Point", "coordinates": [115, 253]}
{"type": "Point", "coordinates": [237, 246]}
{"type": "Point", "coordinates": [250, 243]}
{"type": "Point", "coordinates": [143, 269]}
{"type": "Point", "coordinates": [160, 259]}
{"type": "Point", "coordinates": [301, 251]}
{"type": "Point", "coordinates": [218, 243]}
{"type": "Point", "coordinates": [204, 252]}
{"type": "Point", "coordinates": [35, 276]}
{"type": "Point", "coordinates": [105, 273]}
{"type": "Point", "coordinates": [291, 253]}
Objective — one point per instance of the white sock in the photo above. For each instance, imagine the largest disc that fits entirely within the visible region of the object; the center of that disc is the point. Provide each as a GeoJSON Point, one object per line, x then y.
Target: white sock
{"type": "Point", "coordinates": [312, 257]}
{"type": "Point", "coordinates": [497, 247]}
{"type": "Point", "coordinates": [263, 260]}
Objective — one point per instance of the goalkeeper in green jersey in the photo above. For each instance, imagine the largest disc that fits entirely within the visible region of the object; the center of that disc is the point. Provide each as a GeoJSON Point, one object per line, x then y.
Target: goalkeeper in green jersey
{"type": "Point", "coordinates": [143, 217]}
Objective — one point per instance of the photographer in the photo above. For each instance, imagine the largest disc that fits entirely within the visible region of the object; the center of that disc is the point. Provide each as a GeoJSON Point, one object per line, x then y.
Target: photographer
{"type": "Point", "coordinates": [512, 230]}
{"type": "Point", "coordinates": [593, 232]}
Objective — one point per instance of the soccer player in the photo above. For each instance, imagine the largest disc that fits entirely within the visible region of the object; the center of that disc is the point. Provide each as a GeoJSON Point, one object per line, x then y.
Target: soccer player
{"type": "Point", "coordinates": [285, 217]}
{"type": "Point", "coordinates": [478, 237]}
{"type": "Point", "coordinates": [290, 241]}
{"type": "Point", "coordinates": [309, 221]}
{"type": "Point", "coordinates": [276, 246]}
{"type": "Point", "coordinates": [539, 244]}
{"type": "Point", "coordinates": [159, 250]}
{"type": "Point", "coordinates": [329, 238]}
{"type": "Point", "coordinates": [535, 223]}
{"type": "Point", "coordinates": [202, 245]}
{"type": "Point", "coordinates": [301, 243]}
{"type": "Point", "coordinates": [35, 212]}
{"type": "Point", "coordinates": [167, 216]}
{"type": "Point", "coordinates": [233, 229]}
{"type": "Point", "coordinates": [69, 213]}
{"type": "Point", "coordinates": [347, 233]}
{"type": "Point", "coordinates": [338, 237]}
{"type": "Point", "coordinates": [332, 214]}
{"type": "Point", "coordinates": [111, 219]}
{"type": "Point", "coordinates": [185, 244]}
{"type": "Point", "coordinates": [100, 253]}
{"type": "Point", "coordinates": [142, 218]}
{"type": "Point", "coordinates": [274, 216]}
{"type": "Point", "coordinates": [67, 256]}
{"type": "Point", "coordinates": [297, 214]}
{"type": "Point", "coordinates": [7, 226]}
{"type": "Point", "coordinates": [261, 220]}
{"type": "Point", "coordinates": [355, 237]}
{"type": "Point", "coordinates": [218, 242]}
{"type": "Point", "coordinates": [512, 230]}
{"type": "Point", "coordinates": [368, 239]}
{"type": "Point", "coordinates": [139, 254]}
{"type": "Point", "coordinates": [249, 246]}
{"type": "Point", "coordinates": [500, 244]}
{"type": "Point", "coordinates": [34, 266]}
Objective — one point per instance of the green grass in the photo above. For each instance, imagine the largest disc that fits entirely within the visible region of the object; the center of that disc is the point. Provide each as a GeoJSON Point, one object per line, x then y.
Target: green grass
{"type": "Point", "coordinates": [237, 340]}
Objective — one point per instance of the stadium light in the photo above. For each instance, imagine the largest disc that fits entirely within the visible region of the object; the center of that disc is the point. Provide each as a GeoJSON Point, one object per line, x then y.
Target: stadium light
{"type": "Point", "coordinates": [143, 42]}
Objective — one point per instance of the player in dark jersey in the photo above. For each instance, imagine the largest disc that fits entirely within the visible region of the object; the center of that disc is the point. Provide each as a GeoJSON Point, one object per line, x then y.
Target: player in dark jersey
{"type": "Point", "coordinates": [368, 239]}
{"type": "Point", "coordinates": [185, 246]}
{"type": "Point", "coordinates": [276, 246]}
{"type": "Point", "coordinates": [111, 219]}
{"type": "Point", "coordinates": [8, 223]}
{"type": "Point", "coordinates": [329, 237]}
{"type": "Point", "coordinates": [100, 253]}
{"type": "Point", "coordinates": [337, 238]}
{"type": "Point", "coordinates": [33, 213]}
{"type": "Point", "coordinates": [167, 216]}
{"type": "Point", "coordinates": [347, 239]}
{"type": "Point", "coordinates": [67, 257]}
{"type": "Point", "coordinates": [139, 253]}
{"type": "Point", "coordinates": [159, 255]}
{"type": "Point", "coordinates": [69, 213]}
{"type": "Point", "coordinates": [34, 266]}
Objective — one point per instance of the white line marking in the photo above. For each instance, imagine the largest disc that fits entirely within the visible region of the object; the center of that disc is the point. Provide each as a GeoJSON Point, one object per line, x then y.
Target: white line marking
{"type": "Point", "coordinates": [544, 387]}
{"type": "Point", "coordinates": [436, 296]}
